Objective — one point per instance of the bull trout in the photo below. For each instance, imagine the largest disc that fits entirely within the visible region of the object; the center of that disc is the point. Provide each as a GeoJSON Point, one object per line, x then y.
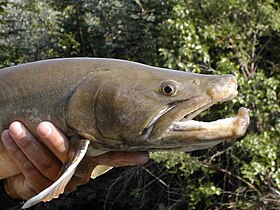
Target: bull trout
{"type": "Point", "coordinates": [107, 105]}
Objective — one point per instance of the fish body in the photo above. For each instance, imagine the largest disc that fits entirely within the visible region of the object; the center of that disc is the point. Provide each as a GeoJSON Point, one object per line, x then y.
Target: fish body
{"type": "Point", "coordinates": [117, 105]}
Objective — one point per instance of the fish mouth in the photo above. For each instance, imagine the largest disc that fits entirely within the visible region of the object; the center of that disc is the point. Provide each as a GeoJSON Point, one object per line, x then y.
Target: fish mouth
{"type": "Point", "coordinates": [174, 127]}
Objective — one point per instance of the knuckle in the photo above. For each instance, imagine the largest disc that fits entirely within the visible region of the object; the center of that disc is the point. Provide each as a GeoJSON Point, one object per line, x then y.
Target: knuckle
{"type": "Point", "coordinates": [36, 182]}
{"type": "Point", "coordinates": [27, 190]}
{"type": "Point", "coordinates": [10, 189]}
{"type": "Point", "coordinates": [28, 167]}
{"type": "Point", "coordinates": [49, 168]}
{"type": "Point", "coordinates": [16, 188]}
{"type": "Point", "coordinates": [32, 186]}
{"type": "Point", "coordinates": [46, 164]}
{"type": "Point", "coordinates": [15, 150]}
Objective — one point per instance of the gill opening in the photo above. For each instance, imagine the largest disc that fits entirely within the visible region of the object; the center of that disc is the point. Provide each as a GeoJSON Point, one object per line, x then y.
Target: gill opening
{"type": "Point", "coordinates": [146, 132]}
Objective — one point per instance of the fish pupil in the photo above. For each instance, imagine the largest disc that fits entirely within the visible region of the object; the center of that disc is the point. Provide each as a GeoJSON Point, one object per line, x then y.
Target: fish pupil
{"type": "Point", "coordinates": [168, 89]}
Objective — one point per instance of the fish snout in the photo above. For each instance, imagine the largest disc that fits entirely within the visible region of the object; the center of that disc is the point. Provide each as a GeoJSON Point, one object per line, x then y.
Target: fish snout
{"type": "Point", "coordinates": [222, 88]}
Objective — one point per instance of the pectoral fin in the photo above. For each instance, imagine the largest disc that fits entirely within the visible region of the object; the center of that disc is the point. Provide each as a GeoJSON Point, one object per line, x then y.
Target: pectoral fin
{"type": "Point", "coordinates": [99, 170]}
{"type": "Point", "coordinates": [77, 151]}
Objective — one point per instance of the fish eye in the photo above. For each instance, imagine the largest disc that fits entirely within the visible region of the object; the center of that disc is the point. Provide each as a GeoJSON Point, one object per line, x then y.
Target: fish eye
{"type": "Point", "coordinates": [169, 88]}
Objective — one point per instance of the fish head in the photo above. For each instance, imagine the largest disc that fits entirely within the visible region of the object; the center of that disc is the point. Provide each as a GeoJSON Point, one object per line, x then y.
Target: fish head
{"type": "Point", "coordinates": [131, 106]}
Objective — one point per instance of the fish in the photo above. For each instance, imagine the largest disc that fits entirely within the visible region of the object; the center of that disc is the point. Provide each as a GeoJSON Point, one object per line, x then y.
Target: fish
{"type": "Point", "coordinates": [106, 105]}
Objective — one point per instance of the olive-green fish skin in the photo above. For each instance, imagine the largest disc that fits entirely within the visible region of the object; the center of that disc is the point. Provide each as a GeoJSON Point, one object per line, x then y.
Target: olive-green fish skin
{"type": "Point", "coordinates": [116, 104]}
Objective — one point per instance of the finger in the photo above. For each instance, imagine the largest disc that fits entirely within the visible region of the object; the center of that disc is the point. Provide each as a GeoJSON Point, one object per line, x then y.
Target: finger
{"type": "Point", "coordinates": [16, 187]}
{"type": "Point", "coordinates": [33, 178]}
{"type": "Point", "coordinates": [54, 139]}
{"type": "Point", "coordinates": [42, 158]}
{"type": "Point", "coordinates": [85, 168]}
{"type": "Point", "coordinates": [116, 159]}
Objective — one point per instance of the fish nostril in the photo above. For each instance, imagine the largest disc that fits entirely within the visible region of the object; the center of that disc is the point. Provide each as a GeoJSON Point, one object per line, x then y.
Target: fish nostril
{"type": "Point", "coordinates": [196, 81]}
{"type": "Point", "coordinates": [213, 91]}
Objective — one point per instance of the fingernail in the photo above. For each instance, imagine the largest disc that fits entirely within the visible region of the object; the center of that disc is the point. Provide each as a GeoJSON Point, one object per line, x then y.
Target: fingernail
{"type": "Point", "coordinates": [45, 129]}
{"type": "Point", "coordinates": [6, 137]}
{"type": "Point", "coordinates": [8, 142]}
{"type": "Point", "coordinates": [15, 129]}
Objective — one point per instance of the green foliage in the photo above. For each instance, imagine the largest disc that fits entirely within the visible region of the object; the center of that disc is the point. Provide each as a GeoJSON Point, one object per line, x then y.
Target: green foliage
{"type": "Point", "coordinates": [179, 162]}
{"type": "Point", "coordinates": [197, 189]}
{"type": "Point", "coordinates": [47, 29]}
{"type": "Point", "coordinates": [264, 166]}
{"type": "Point", "coordinates": [26, 28]}
{"type": "Point", "coordinates": [259, 93]}
{"type": "Point", "coordinates": [207, 36]}
{"type": "Point", "coordinates": [239, 37]}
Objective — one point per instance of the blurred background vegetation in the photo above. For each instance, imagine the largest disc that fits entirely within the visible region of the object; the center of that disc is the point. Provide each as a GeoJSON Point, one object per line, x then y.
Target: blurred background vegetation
{"type": "Point", "coordinates": [241, 37]}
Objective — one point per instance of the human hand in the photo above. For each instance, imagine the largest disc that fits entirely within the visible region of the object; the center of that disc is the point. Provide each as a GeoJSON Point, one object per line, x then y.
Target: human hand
{"type": "Point", "coordinates": [40, 162]}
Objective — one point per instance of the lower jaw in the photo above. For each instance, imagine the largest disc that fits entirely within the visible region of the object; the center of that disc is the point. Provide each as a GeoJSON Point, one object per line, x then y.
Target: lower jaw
{"type": "Point", "coordinates": [192, 134]}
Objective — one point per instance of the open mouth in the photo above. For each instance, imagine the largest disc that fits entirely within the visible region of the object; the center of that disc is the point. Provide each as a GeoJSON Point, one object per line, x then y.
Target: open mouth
{"type": "Point", "coordinates": [181, 111]}
{"type": "Point", "coordinates": [174, 126]}
{"type": "Point", "coordinates": [196, 112]}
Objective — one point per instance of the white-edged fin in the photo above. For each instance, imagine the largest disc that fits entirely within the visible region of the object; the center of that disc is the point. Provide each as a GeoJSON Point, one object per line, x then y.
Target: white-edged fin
{"type": "Point", "coordinates": [77, 151]}
{"type": "Point", "coordinates": [99, 170]}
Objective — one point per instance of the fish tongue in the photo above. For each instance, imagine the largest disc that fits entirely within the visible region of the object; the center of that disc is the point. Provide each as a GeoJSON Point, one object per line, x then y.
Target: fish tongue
{"type": "Point", "coordinates": [77, 151]}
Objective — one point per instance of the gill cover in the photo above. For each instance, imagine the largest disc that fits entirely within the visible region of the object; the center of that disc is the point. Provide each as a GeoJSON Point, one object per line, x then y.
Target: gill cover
{"type": "Point", "coordinates": [113, 106]}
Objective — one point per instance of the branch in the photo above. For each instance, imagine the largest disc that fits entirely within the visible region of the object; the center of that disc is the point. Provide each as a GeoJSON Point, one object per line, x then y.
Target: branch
{"type": "Point", "coordinates": [156, 177]}
{"type": "Point", "coordinates": [276, 191]}
{"type": "Point", "coordinates": [207, 165]}
{"type": "Point", "coordinates": [138, 2]}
